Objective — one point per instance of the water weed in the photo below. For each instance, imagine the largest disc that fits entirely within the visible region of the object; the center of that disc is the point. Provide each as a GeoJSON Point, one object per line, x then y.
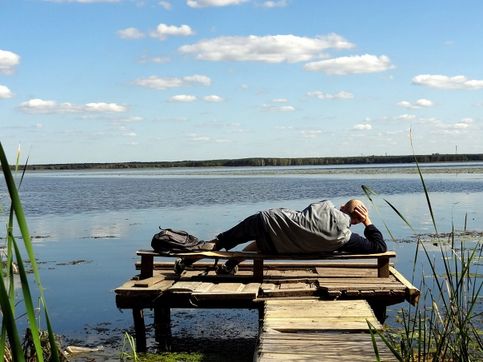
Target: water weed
{"type": "Point", "coordinates": [8, 302]}
{"type": "Point", "coordinates": [446, 324]}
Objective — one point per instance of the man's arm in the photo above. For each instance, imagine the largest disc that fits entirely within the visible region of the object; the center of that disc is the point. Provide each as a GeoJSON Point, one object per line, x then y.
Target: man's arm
{"type": "Point", "coordinates": [373, 242]}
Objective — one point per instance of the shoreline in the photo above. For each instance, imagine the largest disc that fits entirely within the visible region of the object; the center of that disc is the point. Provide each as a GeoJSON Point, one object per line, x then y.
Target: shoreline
{"type": "Point", "coordinates": [434, 158]}
{"type": "Point", "coordinates": [274, 170]}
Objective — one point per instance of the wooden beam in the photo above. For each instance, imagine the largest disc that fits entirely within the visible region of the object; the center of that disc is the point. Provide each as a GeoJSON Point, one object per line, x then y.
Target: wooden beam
{"type": "Point", "coordinates": [139, 329]}
{"type": "Point", "coordinates": [258, 270]}
{"type": "Point", "coordinates": [383, 267]}
{"type": "Point", "coordinates": [162, 327]}
{"type": "Point", "coordinates": [147, 261]}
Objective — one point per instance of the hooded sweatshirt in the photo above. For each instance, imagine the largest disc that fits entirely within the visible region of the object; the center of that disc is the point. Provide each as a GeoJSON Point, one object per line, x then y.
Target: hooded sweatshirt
{"type": "Point", "coordinates": [320, 227]}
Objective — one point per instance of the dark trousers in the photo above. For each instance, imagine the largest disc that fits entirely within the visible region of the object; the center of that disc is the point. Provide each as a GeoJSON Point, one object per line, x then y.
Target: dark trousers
{"type": "Point", "coordinates": [252, 228]}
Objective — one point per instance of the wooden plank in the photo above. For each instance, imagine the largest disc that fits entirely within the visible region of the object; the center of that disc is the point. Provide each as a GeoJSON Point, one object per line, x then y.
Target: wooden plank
{"type": "Point", "coordinates": [355, 280]}
{"type": "Point", "coordinates": [321, 315]}
{"type": "Point", "coordinates": [228, 292]}
{"type": "Point", "coordinates": [255, 255]}
{"type": "Point", "coordinates": [129, 288]}
{"type": "Point", "coordinates": [148, 282]}
{"type": "Point", "coordinates": [319, 347]}
{"type": "Point", "coordinates": [412, 291]}
{"type": "Point", "coordinates": [275, 290]}
{"type": "Point", "coordinates": [343, 271]}
{"type": "Point", "coordinates": [184, 286]}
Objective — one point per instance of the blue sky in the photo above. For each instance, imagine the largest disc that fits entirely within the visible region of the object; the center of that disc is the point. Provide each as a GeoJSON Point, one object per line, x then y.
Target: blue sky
{"type": "Point", "coordinates": [152, 80]}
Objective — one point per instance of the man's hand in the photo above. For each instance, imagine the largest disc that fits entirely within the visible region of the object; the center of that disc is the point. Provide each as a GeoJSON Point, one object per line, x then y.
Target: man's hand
{"type": "Point", "coordinates": [362, 215]}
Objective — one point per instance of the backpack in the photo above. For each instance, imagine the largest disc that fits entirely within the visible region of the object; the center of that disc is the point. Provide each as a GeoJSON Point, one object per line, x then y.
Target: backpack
{"type": "Point", "coordinates": [174, 240]}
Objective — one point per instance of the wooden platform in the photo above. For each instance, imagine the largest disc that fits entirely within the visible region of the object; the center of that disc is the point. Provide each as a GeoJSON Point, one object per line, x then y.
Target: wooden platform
{"type": "Point", "coordinates": [316, 330]}
{"type": "Point", "coordinates": [200, 287]}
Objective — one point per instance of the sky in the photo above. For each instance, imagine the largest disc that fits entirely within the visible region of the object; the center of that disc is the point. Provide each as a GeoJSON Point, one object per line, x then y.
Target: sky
{"type": "Point", "coordinates": [168, 80]}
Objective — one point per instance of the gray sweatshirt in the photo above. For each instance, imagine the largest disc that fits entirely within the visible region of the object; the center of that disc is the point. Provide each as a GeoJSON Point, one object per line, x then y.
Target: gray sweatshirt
{"type": "Point", "coordinates": [318, 228]}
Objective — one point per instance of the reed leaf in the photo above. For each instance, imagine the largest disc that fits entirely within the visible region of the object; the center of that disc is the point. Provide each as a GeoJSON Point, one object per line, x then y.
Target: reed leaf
{"type": "Point", "coordinates": [8, 321]}
{"type": "Point", "coordinates": [389, 345]}
{"type": "Point", "coordinates": [369, 192]}
{"type": "Point", "coordinates": [29, 307]}
{"type": "Point", "coordinates": [426, 192]}
{"type": "Point", "coordinates": [22, 224]}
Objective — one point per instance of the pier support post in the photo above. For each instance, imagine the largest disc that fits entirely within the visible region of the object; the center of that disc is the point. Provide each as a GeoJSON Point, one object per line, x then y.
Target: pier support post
{"type": "Point", "coordinates": [162, 327]}
{"type": "Point", "coordinates": [383, 267]}
{"type": "Point", "coordinates": [139, 329]}
{"type": "Point", "coordinates": [258, 270]}
{"type": "Point", "coordinates": [147, 264]}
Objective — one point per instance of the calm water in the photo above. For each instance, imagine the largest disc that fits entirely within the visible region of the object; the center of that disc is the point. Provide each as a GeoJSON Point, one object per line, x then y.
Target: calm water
{"type": "Point", "coordinates": [88, 225]}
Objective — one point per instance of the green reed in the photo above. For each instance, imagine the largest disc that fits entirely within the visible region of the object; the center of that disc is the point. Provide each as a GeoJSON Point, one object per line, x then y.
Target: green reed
{"type": "Point", "coordinates": [445, 325]}
{"type": "Point", "coordinates": [7, 282]}
{"type": "Point", "coordinates": [128, 350]}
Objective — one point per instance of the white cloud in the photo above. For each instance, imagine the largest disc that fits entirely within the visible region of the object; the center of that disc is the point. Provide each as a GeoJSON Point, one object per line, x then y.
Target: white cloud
{"type": "Point", "coordinates": [104, 107]}
{"type": "Point", "coordinates": [269, 49]}
{"type": "Point", "coordinates": [214, 3]}
{"type": "Point", "coordinates": [130, 33]}
{"type": "Point", "coordinates": [153, 59]}
{"type": "Point", "coordinates": [8, 61]}
{"type": "Point", "coordinates": [338, 95]}
{"type": "Point", "coordinates": [424, 102]}
{"type": "Point", "coordinates": [84, 1]}
{"type": "Point", "coordinates": [445, 82]}
{"type": "Point", "coordinates": [5, 92]}
{"type": "Point", "coordinates": [420, 103]}
{"type": "Point", "coordinates": [270, 4]}
{"type": "Point", "coordinates": [280, 100]}
{"type": "Point", "coordinates": [166, 5]}
{"type": "Point", "coordinates": [194, 137]}
{"type": "Point", "coordinates": [311, 133]}
{"type": "Point", "coordinates": [406, 117]}
{"type": "Point", "coordinates": [272, 108]}
{"type": "Point", "coordinates": [166, 83]}
{"type": "Point", "coordinates": [183, 98]}
{"type": "Point", "coordinates": [213, 98]}
{"type": "Point", "coordinates": [198, 79]}
{"type": "Point", "coordinates": [458, 128]}
{"type": "Point", "coordinates": [363, 127]}
{"type": "Point", "coordinates": [37, 105]}
{"type": "Point", "coordinates": [354, 64]}
{"type": "Point", "coordinates": [163, 31]}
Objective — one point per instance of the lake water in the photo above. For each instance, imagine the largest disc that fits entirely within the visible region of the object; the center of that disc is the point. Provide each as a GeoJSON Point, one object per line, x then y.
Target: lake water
{"type": "Point", "coordinates": [87, 226]}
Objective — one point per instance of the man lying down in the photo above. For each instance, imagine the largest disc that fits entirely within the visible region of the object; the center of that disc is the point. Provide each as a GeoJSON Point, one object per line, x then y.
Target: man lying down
{"type": "Point", "coordinates": [319, 228]}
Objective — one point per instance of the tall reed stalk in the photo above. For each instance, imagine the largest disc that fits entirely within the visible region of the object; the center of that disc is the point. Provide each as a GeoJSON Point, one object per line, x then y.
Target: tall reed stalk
{"type": "Point", "coordinates": [7, 283]}
{"type": "Point", "coordinates": [446, 324]}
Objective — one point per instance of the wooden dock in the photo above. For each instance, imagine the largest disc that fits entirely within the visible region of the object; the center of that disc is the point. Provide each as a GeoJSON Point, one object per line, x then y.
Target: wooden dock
{"type": "Point", "coordinates": [316, 330]}
{"type": "Point", "coordinates": [290, 284]}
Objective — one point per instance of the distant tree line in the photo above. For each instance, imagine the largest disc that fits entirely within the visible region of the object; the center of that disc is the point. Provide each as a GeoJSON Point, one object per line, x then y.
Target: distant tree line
{"type": "Point", "coordinates": [267, 161]}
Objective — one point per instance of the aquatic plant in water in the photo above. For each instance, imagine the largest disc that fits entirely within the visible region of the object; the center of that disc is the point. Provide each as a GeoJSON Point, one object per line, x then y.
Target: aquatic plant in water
{"type": "Point", "coordinates": [10, 342]}
{"type": "Point", "coordinates": [446, 325]}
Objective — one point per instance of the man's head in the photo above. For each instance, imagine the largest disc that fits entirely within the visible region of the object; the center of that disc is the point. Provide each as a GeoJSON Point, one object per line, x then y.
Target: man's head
{"type": "Point", "coordinates": [349, 207]}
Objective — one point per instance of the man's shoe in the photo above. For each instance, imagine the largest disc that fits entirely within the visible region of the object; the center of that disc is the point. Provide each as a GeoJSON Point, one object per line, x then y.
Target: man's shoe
{"type": "Point", "coordinates": [209, 245]}
{"type": "Point", "coordinates": [226, 270]}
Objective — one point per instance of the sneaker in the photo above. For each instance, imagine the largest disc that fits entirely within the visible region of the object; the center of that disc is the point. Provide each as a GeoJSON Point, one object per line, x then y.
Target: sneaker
{"type": "Point", "coordinates": [209, 246]}
{"type": "Point", "coordinates": [225, 270]}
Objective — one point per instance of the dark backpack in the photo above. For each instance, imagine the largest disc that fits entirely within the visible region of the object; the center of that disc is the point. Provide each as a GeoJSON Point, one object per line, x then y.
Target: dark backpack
{"type": "Point", "coordinates": [174, 240]}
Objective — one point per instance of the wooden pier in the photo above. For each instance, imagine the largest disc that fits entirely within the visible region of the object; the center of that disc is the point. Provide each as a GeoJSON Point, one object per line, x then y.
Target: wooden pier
{"type": "Point", "coordinates": [316, 330]}
{"type": "Point", "coordinates": [285, 286]}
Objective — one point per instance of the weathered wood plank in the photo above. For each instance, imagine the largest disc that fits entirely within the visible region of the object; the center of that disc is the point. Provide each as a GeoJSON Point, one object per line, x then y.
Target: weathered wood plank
{"type": "Point", "coordinates": [129, 288]}
{"type": "Point", "coordinates": [320, 347]}
{"type": "Point", "coordinates": [368, 272]}
{"type": "Point", "coordinates": [412, 292]}
{"type": "Point", "coordinates": [298, 331]}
